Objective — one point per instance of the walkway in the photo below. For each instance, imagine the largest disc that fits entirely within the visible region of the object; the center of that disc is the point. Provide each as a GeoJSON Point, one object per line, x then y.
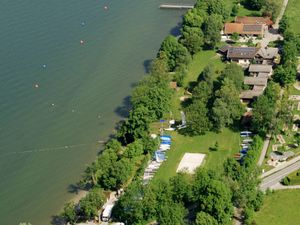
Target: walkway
{"type": "Point", "coordinates": [279, 186]}
{"type": "Point", "coordinates": [284, 5]}
{"type": "Point", "coordinates": [264, 151]}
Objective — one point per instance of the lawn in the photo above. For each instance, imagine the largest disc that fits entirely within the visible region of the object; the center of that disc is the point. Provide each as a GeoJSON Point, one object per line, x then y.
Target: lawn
{"type": "Point", "coordinates": [293, 12]}
{"type": "Point", "coordinates": [294, 178]}
{"type": "Point", "coordinates": [280, 208]}
{"type": "Point", "coordinates": [200, 60]}
{"type": "Point", "coordinates": [228, 145]}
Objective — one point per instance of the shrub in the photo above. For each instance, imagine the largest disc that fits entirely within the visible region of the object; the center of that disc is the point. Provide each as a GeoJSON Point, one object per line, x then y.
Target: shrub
{"type": "Point", "coordinates": [286, 181]}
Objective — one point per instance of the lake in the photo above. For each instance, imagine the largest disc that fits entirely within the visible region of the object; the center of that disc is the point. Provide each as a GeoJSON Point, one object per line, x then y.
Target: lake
{"type": "Point", "coordinates": [66, 71]}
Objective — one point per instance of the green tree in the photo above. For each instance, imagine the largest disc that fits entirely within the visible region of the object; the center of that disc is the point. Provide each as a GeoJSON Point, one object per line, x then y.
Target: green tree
{"type": "Point", "coordinates": [213, 7]}
{"type": "Point", "coordinates": [235, 73]}
{"type": "Point", "coordinates": [204, 218]}
{"type": "Point", "coordinates": [129, 208]}
{"type": "Point", "coordinates": [284, 24]}
{"type": "Point", "coordinates": [69, 213]}
{"type": "Point", "coordinates": [234, 10]}
{"type": "Point", "coordinates": [271, 8]}
{"type": "Point", "coordinates": [208, 74]}
{"type": "Point", "coordinates": [213, 196]}
{"type": "Point", "coordinates": [176, 53]}
{"type": "Point", "coordinates": [202, 92]}
{"type": "Point", "coordinates": [227, 107]}
{"type": "Point", "coordinates": [197, 118]}
{"type": "Point", "coordinates": [159, 65]}
{"type": "Point", "coordinates": [134, 149]}
{"type": "Point", "coordinates": [211, 29]}
{"type": "Point", "coordinates": [91, 203]}
{"type": "Point", "coordinates": [181, 188]}
{"type": "Point", "coordinates": [235, 36]}
{"type": "Point", "coordinates": [193, 39]}
{"type": "Point", "coordinates": [193, 18]}
{"type": "Point", "coordinates": [254, 4]}
{"type": "Point", "coordinates": [171, 213]}
{"type": "Point", "coordinates": [120, 173]}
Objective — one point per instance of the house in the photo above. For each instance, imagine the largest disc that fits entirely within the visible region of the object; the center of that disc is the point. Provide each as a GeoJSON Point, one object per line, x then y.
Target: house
{"type": "Point", "coordinates": [256, 81]}
{"type": "Point", "coordinates": [248, 95]}
{"type": "Point", "coordinates": [241, 55]}
{"type": "Point", "coordinates": [254, 20]}
{"type": "Point", "coordinates": [244, 29]}
{"type": "Point", "coordinates": [257, 85]}
{"type": "Point", "coordinates": [267, 55]}
{"type": "Point", "coordinates": [260, 70]}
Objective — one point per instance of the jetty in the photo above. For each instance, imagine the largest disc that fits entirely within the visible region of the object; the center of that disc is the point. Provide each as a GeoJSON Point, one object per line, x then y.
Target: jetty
{"type": "Point", "coordinates": [176, 6]}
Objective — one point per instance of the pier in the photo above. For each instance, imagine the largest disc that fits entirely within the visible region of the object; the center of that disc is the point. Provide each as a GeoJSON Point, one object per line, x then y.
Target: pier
{"type": "Point", "coordinates": [176, 6]}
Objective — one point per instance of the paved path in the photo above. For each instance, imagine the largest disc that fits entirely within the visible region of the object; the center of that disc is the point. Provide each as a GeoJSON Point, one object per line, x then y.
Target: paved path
{"type": "Point", "coordinates": [264, 151]}
{"type": "Point", "coordinates": [284, 5]}
{"type": "Point", "coordinates": [275, 178]}
{"type": "Point", "coordinates": [279, 186]}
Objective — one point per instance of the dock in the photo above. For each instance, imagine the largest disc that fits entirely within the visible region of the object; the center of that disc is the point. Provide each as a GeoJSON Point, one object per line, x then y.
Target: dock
{"type": "Point", "coordinates": [176, 6]}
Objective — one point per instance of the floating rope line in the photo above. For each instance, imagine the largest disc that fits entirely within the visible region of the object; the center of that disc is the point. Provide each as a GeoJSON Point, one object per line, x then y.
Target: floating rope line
{"type": "Point", "coordinates": [60, 148]}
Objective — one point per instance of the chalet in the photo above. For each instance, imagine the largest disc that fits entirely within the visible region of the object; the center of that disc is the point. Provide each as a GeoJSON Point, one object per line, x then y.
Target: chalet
{"type": "Point", "coordinates": [254, 20]}
{"type": "Point", "coordinates": [244, 55]}
{"type": "Point", "coordinates": [267, 55]}
{"type": "Point", "coordinates": [260, 70]}
{"type": "Point", "coordinates": [241, 55]}
{"type": "Point", "coordinates": [244, 29]}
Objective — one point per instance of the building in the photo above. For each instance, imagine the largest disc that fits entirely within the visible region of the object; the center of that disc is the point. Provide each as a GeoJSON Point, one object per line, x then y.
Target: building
{"type": "Point", "coordinates": [260, 70]}
{"type": "Point", "coordinates": [254, 20]}
{"type": "Point", "coordinates": [244, 29]}
{"type": "Point", "coordinates": [257, 86]}
{"type": "Point", "coordinates": [241, 55]}
{"type": "Point", "coordinates": [268, 55]}
{"type": "Point", "coordinates": [244, 55]}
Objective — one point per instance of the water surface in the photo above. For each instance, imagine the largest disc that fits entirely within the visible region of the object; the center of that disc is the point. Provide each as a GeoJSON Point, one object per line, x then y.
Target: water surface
{"type": "Point", "coordinates": [59, 97]}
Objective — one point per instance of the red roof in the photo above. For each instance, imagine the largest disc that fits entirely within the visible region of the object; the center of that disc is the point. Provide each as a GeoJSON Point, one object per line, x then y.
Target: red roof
{"type": "Point", "coordinates": [239, 28]}
{"type": "Point", "coordinates": [254, 20]}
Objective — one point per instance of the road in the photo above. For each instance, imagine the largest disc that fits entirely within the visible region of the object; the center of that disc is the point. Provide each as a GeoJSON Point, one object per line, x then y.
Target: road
{"type": "Point", "coordinates": [264, 151]}
{"type": "Point", "coordinates": [280, 167]}
{"type": "Point", "coordinates": [274, 178]}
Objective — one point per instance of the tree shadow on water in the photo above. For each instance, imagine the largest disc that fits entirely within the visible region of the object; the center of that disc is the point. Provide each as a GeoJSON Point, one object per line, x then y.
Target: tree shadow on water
{"type": "Point", "coordinates": [147, 65]}
{"type": "Point", "coordinates": [123, 110]}
{"type": "Point", "coordinates": [57, 220]}
{"type": "Point", "coordinates": [176, 31]}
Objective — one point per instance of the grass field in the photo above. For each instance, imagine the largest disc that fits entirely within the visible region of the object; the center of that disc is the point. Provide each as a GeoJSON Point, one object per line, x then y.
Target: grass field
{"type": "Point", "coordinates": [280, 208]}
{"type": "Point", "coordinates": [200, 60]}
{"type": "Point", "coordinates": [294, 179]}
{"type": "Point", "coordinates": [293, 12]}
{"type": "Point", "coordinates": [228, 145]}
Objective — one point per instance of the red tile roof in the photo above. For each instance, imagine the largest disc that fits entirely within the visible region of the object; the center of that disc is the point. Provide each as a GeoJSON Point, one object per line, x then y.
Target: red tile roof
{"type": "Point", "coordinates": [254, 20]}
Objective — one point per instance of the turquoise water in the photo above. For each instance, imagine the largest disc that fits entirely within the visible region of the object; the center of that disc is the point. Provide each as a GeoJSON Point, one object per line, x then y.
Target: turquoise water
{"type": "Point", "coordinates": [49, 133]}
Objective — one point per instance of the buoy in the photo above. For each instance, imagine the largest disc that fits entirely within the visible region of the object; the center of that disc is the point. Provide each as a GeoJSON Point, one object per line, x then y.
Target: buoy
{"type": "Point", "coordinates": [105, 7]}
{"type": "Point", "coordinates": [83, 23]}
{"type": "Point", "coordinates": [81, 42]}
{"type": "Point", "coordinates": [44, 65]}
{"type": "Point", "coordinates": [36, 85]}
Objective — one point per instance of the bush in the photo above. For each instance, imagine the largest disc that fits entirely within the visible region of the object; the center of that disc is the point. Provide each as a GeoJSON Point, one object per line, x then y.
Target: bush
{"type": "Point", "coordinates": [286, 181]}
